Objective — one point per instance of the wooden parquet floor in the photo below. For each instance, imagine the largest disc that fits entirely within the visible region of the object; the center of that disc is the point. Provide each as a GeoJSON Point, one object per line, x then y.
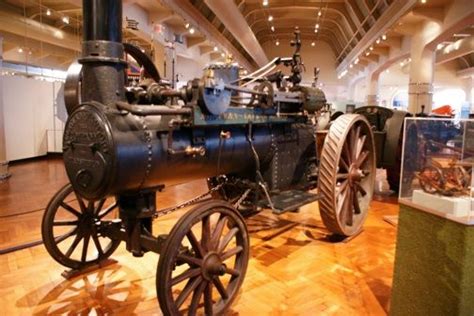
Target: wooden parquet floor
{"type": "Point", "coordinates": [293, 270]}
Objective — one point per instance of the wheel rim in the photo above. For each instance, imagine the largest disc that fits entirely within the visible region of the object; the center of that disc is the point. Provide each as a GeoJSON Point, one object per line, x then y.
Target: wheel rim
{"type": "Point", "coordinates": [347, 175]}
{"type": "Point", "coordinates": [204, 261]}
{"type": "Point", "coordinates": [71, 229]}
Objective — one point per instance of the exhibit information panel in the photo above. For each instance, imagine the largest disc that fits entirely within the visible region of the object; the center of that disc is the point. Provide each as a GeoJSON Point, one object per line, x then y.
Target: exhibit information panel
{"type": "Point", "coordinates": [437, 164]}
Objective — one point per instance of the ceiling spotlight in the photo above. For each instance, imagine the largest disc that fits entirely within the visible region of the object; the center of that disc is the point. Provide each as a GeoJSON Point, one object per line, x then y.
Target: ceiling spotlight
{"type": "Point", "coordinates": [313, 44]}
{"type": "Point", "coordinates": [270, 18]}
{"type": "Point", "coordinates": [384, 37]}
{"type": "Point", "coordinates": [20, 50]}
{"type": "Point", "coordinates": [423, 1]}
{"type": "Point", "coordinates": [377, 41]}
{"type": "Point", "coordinates": [371, 48]}
{"type": "Point", "coordinates": [265, 3]}
{"type": "Point", "coordinates": [272, 28]}
{"type": "Point", "coordinates": [320, 13]}
{"type": "Point", "coordinates": [48, 12]}
{"type": "Point", "coordinates": [65, 19]}
{"type": "Point", "coordinates": [317, 25]}
{"type": "Point", "coordinates": [356, 61]}
{"type": "Point", "coordinates": [216, 48]}
{"type": "Point", "coordinates": [402, 64]}
{"type": "Point", "coordinates": [367, 54]}
{"type": "Point", "coordinates": [439, 46]}
{"type": "Point", "coordinates": [187, 25]}
{"type": "Point", "coordinates": [192, 30]}
{"type": "Point", "coordinates": [30, 52]}
{"type": "Point", "coordinates": [316, 31]}
{"type": "Point", "coordinates": [277, 43]}
{"type": "Point", "coordinates": [350, 66]}
{"type": "Point", "coordinates": [387, 71]}
{"type": "Point", "coordinates": [223, 55]}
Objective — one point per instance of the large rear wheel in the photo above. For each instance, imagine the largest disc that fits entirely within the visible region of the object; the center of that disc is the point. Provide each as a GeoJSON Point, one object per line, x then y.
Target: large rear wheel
{"type": "Point", "coordinates": [347, 174]}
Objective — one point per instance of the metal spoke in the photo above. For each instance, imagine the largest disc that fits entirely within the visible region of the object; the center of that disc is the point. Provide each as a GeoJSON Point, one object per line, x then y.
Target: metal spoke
{"type": "Point", "coordinates": [344, 164]}
{"type": "Point", "coordinates": [208, 299]}
{"type": "Point", "coordinates": [190, 273]}
{"type": "Point", "coordinates": [62, 238]}
{"type": "Point", "coordinates": [99, 206]}
{"type": "Point", "coordinates": [227, 238]}
{"type": "Point", "coordinates": [70, 209]}
{"type": "Point", "coordinates": [342, 212]}
{"type": "Point", "coordinates": [196, 298]}
{"type": "Point", "coordinates": [342, 176]}
{"type": "Point", "coordinates": [192, 261]}
{"type": "Point", "coordinates": [85, 247]}
{"type": "Point", "coordinates": [348, 209]}
{"type": "Point", "coordinates": [361, 144]}
{"type": "Point", "coordinates": [195, 243]}
{"type": "Point", "coordinates": [187, 290]}
{"type": "Point", "coordinates": [96, 240]}
{"type": "Point", "coordinates": [206, 233]}
{"type": "Point", "coordinates": [65, 223]}
{"type": "Point", "coordinates": [108, 210]}
{"type": "Point", "coordinates": [74, 245]}
{"type": "Point", "coordinates": [81, 203]}
{"type": "Point", "coordinates": [220, 288]}
{"type": "Point", "coordinates": [90, 207]}
{"type": "Point", "coordinates": [218, 232]}
{"type": "Point", "coordinates": [232, 272]}
{"type": "Point", "coordinates": [226, 255]}
{"type": "Point", "coordinates": [342, 198]}
{"type": "Point", "coordinates": [360, 160]}
{"type": "Point", "coordinates": [354, 142]}
{"type": "Point", "coordinates": [343, 186]}
{"type": "Point", "coordinates": [356, 202]}
{"type": "Point", "coordinates": [347, 154]}
{"type": "Point", "coordinates": [360, 188]}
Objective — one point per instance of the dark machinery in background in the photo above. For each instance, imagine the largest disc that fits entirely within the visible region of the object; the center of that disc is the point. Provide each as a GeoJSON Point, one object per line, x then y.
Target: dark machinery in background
{"type": "Point", "coordinates": [254, 138]}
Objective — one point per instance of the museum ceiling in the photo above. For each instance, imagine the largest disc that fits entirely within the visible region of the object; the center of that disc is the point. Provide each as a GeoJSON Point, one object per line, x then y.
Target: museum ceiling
{"type": "Point", "coordinates": [241, 27]}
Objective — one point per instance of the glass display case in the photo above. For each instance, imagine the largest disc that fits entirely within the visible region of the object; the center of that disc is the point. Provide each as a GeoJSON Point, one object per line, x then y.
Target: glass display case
{"type": "Point", "coordinates": [436, 167]}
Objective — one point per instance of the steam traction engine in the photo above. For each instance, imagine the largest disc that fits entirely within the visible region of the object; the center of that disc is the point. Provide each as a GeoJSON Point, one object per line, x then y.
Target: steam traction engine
{"type": "Point", "coordinates": [256, 146]}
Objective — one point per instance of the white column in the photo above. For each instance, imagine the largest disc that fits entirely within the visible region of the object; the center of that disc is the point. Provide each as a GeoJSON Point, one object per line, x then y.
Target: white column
{"type": "Point", "coordinates": [469, 89]}
{"type": "Point", "coordinates": [372, 84]}
{"type": "Point", "coordinates": [3, 153]}
{"type": "Point", "coordinates": [420, 87]}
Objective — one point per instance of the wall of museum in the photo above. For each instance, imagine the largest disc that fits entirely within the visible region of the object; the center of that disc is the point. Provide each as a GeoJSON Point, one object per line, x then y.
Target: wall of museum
{"type": "Point", "coordinates": [322, 56]}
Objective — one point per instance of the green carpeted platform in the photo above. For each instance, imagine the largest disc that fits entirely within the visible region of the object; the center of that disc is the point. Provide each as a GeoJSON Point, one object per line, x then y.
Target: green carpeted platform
{"type": "Point", "coordinates": [434, 266]}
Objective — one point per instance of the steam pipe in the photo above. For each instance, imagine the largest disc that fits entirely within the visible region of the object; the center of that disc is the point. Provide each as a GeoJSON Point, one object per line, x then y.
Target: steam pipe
{"type": "Point", "coordinates": [102, 52]}
{"type": "Point", "coordinates": [102, 20]}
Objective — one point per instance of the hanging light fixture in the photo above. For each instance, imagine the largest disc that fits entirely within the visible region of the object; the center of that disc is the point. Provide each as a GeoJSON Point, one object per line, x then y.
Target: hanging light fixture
{"type": "Point", "coordinates": [192, 30]}
{"type": "Point", "coordinates": [270, 18]}
{"type": "Point", "coordinates": [277, 43]}
{"type": "Point", "coordinates": [265, 3]}
{"type": "Point", "coordinates": [48, 12]}
{"type": "Point", "coordinates": [272, 28]}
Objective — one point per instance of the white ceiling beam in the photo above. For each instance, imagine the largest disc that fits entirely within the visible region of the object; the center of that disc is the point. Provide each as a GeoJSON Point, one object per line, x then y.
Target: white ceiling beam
{"type": "Point", "coordinates": [230, 15]}
{"type": "Point", "coordinates": [194, 16]}
{"type": "Point", "coordinates": [393, 13]}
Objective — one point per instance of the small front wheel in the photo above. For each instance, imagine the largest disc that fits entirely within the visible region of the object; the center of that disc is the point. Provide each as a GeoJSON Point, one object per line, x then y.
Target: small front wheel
{"type": "Point", "coordinates": [203, 262]}
{"type": "Point", "coordinates": [71, 229]}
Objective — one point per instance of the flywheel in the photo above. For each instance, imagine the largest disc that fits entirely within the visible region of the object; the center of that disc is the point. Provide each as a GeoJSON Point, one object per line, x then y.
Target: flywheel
{"type": "Point", "coordinates": [347, 174]}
